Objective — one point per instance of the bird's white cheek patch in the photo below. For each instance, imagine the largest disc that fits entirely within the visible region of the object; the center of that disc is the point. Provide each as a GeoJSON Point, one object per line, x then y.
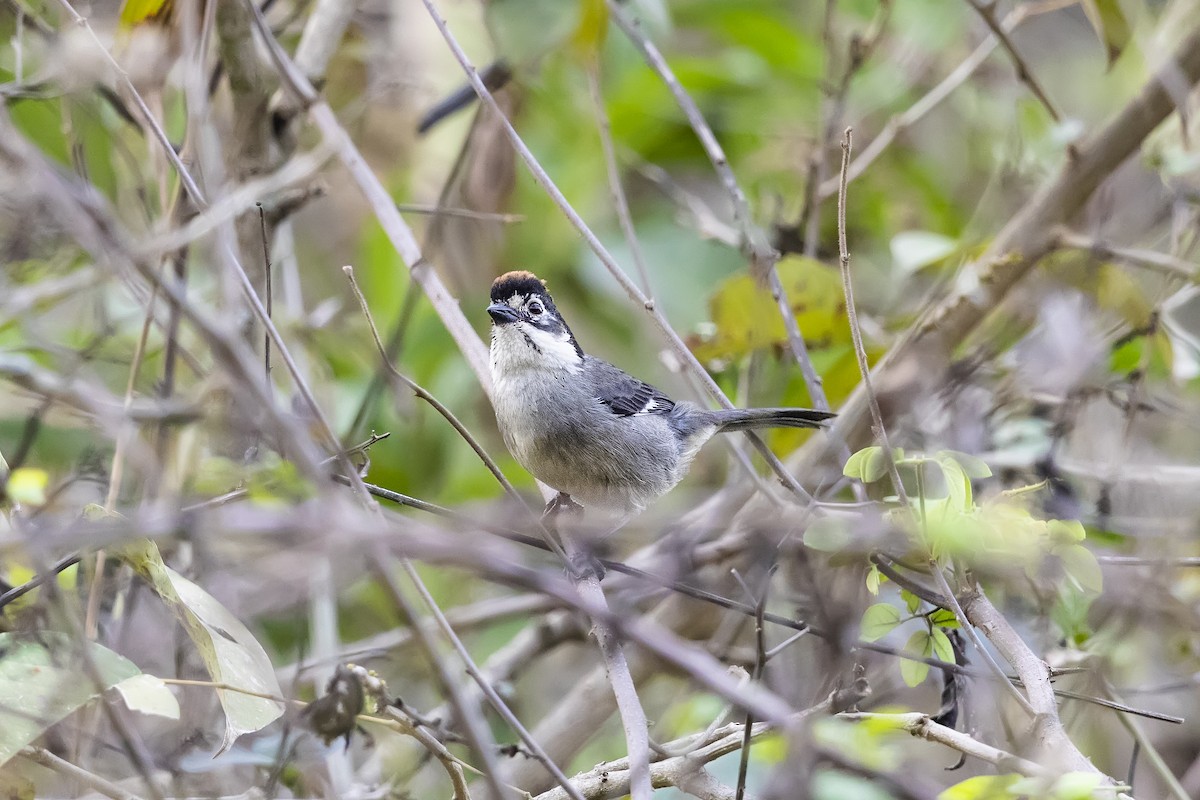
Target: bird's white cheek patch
{"type": "Point", "coordinates": [519, 347]}
{"type": "Point", "coordinates": [557, 351]}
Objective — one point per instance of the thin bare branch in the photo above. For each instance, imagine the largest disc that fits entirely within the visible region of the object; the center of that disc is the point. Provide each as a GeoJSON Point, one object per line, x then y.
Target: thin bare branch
{"type": "Point", "coordinates": [922, 726]}
{"type": "Point", "coordinates": [65, 768]}
{"type": "Point", "coordinates": [1161, 263]}
{"type": "Point", "coordinates": [987, 10]}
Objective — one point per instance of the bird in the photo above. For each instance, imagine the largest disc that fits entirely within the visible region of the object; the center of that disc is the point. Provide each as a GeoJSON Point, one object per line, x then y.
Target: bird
{"type": "Point", "coordinates": [601, 438]}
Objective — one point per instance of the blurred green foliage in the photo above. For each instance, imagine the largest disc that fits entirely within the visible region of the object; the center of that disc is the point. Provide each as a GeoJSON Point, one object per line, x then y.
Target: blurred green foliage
{"type": "Point", "coordinates": [763, 73]}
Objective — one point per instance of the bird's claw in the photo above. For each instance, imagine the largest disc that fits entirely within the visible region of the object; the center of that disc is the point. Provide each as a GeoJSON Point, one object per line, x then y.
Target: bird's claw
{"type": "Point", "coordinates": [561, 503]}
{"type": "Point", "coordinates": [585, 564]}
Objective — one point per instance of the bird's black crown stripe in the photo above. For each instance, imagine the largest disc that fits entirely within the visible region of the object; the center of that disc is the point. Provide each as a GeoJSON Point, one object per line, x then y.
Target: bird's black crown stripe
{"type": "Point", "coordinates": [519, 282]}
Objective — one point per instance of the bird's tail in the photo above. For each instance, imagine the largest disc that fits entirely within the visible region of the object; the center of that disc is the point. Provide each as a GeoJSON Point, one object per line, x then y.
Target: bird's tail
{"type": "Point", "coordinates": [742, 419]}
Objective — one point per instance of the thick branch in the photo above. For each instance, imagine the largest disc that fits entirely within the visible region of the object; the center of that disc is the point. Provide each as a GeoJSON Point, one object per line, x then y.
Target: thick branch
{"type": "Point", "coordinates": [1051, 739]}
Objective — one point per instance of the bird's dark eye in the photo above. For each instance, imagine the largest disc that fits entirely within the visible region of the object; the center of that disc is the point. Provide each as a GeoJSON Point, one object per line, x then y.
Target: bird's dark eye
{"type": "Point", "coordinates": [535, 308]}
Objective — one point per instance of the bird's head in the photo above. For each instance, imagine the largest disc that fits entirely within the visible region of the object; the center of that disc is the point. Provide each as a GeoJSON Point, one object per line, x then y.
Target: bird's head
{"type": "Point", "coordinates": [526, 326]}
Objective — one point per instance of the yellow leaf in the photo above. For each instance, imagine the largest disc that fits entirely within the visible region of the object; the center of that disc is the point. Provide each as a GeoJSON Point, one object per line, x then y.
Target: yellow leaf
{"type": "Point", "coordinates": [746, 317]}
{"type": "Point", "coordinates": [592, 30]}
{"type": "Point", "coordinates": [135, 12]}
{"type": "Point", "coordinates": [27, 486]}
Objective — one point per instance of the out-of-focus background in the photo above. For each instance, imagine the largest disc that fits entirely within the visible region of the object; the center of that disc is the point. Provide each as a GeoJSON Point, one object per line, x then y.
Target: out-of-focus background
{"type": "Point", "coordinates": [132, 403]}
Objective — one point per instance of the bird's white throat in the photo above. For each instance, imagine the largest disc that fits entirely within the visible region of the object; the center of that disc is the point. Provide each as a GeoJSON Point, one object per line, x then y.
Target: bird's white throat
{"type": "Point", "coordinates": [519, 346]}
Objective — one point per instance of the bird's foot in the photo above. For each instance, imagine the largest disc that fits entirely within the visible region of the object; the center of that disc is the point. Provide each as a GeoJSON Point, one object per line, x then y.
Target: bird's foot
{"type": "Point", "coordinates": [561, 503]}
{"type": "Point", "coordinates": [585, 564]}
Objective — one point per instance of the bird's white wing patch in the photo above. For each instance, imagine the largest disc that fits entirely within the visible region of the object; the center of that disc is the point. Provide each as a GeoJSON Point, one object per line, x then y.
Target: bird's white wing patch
{"type": "Point", "coordinates": [651, 406]}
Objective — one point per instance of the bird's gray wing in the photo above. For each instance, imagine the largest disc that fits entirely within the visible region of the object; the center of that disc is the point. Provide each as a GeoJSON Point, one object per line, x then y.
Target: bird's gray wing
{"type": "Point", "coordinates": [622, 393]}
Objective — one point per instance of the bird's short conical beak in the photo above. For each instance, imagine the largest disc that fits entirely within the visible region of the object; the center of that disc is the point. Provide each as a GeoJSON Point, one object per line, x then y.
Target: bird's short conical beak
{"type": "Point", "coordinates": [501, 314]}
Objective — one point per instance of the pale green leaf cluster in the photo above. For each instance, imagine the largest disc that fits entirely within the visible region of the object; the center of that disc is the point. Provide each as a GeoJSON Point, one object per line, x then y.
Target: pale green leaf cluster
{"type": "Point", "coordinates": [46, 677]}
{"type": "Point", "coordinates": [945, 523]}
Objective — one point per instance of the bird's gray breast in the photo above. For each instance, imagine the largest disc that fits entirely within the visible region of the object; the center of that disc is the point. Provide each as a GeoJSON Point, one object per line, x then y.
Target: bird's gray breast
{"type": "Point", "coordinates": [569, 440]}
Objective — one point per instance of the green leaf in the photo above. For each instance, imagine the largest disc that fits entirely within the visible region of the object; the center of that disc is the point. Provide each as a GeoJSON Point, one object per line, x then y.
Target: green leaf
{"type": "Point", "coordinates": [148, 695]}
{"type": "Point", "coordinates": [876, 465]}
{"type": "Point", "coordinates": [1076, 786]}
{"type": "Point", "coordinates": [943, 650]}
{"type": "Point", "coordinates": [827, 534]}
{"type": "Point", "coordinates": [874, 576]}
{"type": "Point", "coordinates": [230, 652]}
{"type": "Point", "coordinates": [911, 600]}
{"type": "Point", "coordinates": [856, 463]}
{"type": "Point", "coordinates": [982, 787]}
{"type": "Point", "coordinates": [1070, 614]}
{"type": "Point", "coordinates": [43, 679]}
{"type": "Point", "coordinates": [1110, 24]}
{"type": "Point", "coordinates": [878, 621]}
{"type": "Point", "coordinates": [1081, 566]}
{"type": "Point", "coordinates": [975, 467]}
{"type": "Point", "coordinates": [1065, 531]}
{"type": "Point", "coordinates": [915, 672]}
{"type": "Point", "coordinates": [944, 618]}
{"type": "Point", "coordinates": [914, 250]}
{"type": "Point", "coordinates": [958, 485]}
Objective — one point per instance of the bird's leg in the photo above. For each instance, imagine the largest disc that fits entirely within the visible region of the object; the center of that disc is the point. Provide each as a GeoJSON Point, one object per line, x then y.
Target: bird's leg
{"type": "Point", "coordinates": [561, 503]}
{"type": "Point", "coordinates": [582, 560]}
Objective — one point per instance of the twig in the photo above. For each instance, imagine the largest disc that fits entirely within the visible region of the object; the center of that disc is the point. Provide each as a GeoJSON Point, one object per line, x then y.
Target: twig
{"type": "Point", "coordinates": [104, 786]}
{"type": "Point", "coordinates": [754, 241]}
{"type": "Point", "coordinates": [833, 108]}
{"type": "Point", "coordinates": [860, 351]}
{"type": "Point", "coordinates": [629, 705]}
{"type": "Point", "coordinates": [463, 213]}
{"type": "Point", "coordinates": [760, 662]}
{"type": "Point", "coordinates": [115, 474]}
{"type": "Point", "coordinates": [1150, 561]}
{"type": "Point", "coordinates": [969, 626]}
{"type": "Point", "coordinates": [477, 734]}
{"type": "Point", "coordinates": [1148, 259]}
{"type": "Point", "coordinates": [463, 618]}
{"type": "Point", "coordinates": [493, 697]}
{"type": "Point", "coordinates": [1143, 743]}
{"type": "Point", "coordinates": [37, 580]}
{"type": "Point", "coordinates": [801, 628]}
{"type": "Point", "coordinates": [922, 726]}
{"type": "Point", "coordinates": [88, 397]}
{"type": "Point", "coordinates": [268, 295]}
{"type": "Point", "coordinates": [1067, 694]}
{"type": "Point", "coordinates": [451, 764]}
{"type": "Point", "coordinates": [881, 431]}
{"type": "Point", "coordinates": [102, 235]}
{"type": "Point", "coordinates": [611, 779]}
{"type": "Point", "coordinates": [987, 10]}
{"type": "Point", "coordinates": [615, 189]}
{"type": "Point", "coordinates": [237, 200]}
{"type": "Point", "coordinates": [148, 118]}
{"type": "Point", "coordinates": [394, 721]}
